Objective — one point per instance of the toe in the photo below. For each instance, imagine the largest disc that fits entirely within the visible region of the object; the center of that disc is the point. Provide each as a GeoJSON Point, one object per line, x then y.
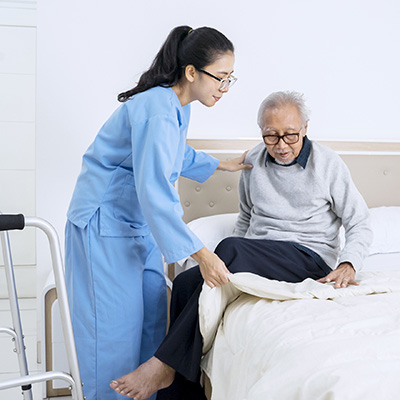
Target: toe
{"type": "Point", "coordinates": [115, 385]}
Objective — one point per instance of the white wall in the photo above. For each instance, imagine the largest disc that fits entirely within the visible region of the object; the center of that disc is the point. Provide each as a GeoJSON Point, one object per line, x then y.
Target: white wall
{"type": "Point", "coordinates": [17, 135]}
{"type": "Point", "coordinates": [344, 55]}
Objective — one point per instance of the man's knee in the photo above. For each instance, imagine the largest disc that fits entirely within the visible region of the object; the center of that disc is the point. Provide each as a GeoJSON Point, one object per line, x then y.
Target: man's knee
{"type": "Point", "coordinates": [227, 247]}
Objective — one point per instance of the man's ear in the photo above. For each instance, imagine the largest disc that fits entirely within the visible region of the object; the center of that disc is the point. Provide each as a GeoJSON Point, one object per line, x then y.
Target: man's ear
{"type": "Point", "coordinates": [305, 129]}
{"type": "Point", "coordinates": [190, 72]}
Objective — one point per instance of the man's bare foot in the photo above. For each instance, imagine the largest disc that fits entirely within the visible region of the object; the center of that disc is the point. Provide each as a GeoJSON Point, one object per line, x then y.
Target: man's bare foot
{"type": "Point", "coordinates": [150, 377]}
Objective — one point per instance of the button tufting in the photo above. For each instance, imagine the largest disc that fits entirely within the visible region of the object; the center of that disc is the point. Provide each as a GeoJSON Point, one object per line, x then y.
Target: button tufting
{"type": "Point", "coordinates": [187, 203]}
{"type": "Point", "coordinates": [211, 204]}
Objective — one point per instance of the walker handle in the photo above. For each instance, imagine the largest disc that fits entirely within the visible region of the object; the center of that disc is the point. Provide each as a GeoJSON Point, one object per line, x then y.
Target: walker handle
{"type": "Point", "coordinates": [10, 222]}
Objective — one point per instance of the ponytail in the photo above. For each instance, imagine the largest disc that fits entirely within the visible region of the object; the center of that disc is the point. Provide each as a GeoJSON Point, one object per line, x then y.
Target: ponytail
{"type": "Point", "coordinates": [183, 46]}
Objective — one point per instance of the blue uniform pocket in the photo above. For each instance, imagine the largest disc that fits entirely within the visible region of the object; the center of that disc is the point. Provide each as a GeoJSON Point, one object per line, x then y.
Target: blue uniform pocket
{"type": "Point", "coordinates": [124, 201]}
{"type": "Point", "coordinates": [111, 226]}
{"type": "Point", "coordinates": [120, 211]}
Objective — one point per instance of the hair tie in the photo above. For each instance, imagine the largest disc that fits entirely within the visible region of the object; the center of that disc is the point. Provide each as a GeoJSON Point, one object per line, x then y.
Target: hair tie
{"type": "Point", "coordinates": [190, 31]}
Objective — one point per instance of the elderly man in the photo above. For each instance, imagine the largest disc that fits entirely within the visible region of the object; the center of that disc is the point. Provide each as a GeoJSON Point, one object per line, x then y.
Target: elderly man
{"type": "Point", "coordinates": [301, 192]}
{"type": "Point", "coordinates": [292, 204]}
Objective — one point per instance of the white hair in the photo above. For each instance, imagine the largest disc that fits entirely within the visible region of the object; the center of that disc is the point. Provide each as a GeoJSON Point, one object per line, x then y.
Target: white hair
{"type": "Point", "coordinates": [279, 99]}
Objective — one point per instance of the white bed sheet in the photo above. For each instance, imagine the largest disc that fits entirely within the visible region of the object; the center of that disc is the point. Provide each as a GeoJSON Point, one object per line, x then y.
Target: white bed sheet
{"type": "Point", "coordinates": [331, 344]}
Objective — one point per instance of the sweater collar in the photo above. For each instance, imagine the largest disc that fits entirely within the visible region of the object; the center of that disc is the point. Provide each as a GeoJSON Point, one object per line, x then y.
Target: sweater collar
{"type": "Point", "coordinates": [301, 159]}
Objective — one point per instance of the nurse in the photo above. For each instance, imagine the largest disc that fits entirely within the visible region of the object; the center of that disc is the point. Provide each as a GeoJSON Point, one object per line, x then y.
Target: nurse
{"type": "Point", "coordinates": [125, 212]}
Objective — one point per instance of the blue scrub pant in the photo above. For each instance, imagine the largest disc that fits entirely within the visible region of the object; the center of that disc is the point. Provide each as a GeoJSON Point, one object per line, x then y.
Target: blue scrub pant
{"type": "Point", "coordinates": [118, 300]}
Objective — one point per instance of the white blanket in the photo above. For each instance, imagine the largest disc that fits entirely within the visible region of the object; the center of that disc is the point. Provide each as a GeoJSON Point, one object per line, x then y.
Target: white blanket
{"type": "Point", "coordinates": [305, 341]}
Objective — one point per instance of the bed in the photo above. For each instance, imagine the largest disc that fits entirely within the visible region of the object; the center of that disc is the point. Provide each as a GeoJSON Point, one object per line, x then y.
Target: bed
{"type": "Point", "coordinates": [266, 339]}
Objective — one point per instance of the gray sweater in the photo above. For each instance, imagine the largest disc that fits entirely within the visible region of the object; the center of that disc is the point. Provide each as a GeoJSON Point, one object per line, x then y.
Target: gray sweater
{"type": "Point", "coordinates": [305, 205]}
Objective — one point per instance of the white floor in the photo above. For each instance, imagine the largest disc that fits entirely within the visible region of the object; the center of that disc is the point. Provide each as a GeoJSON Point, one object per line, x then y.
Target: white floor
{"type": "Point", "coordinates": [8, 359]}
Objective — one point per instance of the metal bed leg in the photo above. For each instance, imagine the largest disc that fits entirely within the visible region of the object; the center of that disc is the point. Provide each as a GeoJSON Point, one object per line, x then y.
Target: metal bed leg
{"type": "Point", "coordinates": [11, 222]}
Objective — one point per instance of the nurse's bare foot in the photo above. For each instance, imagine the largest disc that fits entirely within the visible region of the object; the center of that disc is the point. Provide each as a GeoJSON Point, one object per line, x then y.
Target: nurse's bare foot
{"type": "Point", "coordinates": [150, 377]}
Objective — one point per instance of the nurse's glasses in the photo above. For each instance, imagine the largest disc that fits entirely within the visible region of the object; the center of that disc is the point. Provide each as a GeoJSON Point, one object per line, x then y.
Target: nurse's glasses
{"type": "Point", "coordinates": [224, 83]}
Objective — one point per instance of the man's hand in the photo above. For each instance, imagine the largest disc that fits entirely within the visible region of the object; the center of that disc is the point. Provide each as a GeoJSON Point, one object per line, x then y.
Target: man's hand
{"type": "Point", "coordinates": [235, 164]}
{"type": "Point", "coordinates": [212, 268]}
{"type": "Point", "coordinates": [343, 276]}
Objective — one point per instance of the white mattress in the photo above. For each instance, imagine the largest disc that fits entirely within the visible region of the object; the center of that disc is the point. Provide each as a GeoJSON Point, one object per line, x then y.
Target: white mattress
{"type": "Point", "coordinates": [307, 341]}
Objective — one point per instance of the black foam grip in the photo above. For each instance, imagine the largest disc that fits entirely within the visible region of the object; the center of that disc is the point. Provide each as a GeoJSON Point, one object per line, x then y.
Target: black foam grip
{"type": "Point", "coordinates": [10, 222]}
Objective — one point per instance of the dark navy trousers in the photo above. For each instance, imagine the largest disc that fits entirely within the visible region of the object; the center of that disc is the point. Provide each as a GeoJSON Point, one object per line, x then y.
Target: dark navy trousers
{"type": "Point", "coordinates": [182, 347]}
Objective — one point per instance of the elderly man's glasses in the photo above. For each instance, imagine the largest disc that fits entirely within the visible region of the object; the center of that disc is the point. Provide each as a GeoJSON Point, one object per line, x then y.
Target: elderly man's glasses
{"type": "Point", "coordinates": [224, 83]}
{"type": "Point", "coordinates": [288, 138]}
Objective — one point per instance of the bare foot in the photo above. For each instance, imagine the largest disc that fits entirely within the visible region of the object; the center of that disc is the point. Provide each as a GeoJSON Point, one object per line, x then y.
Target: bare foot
{"type": "Point", "coordinates": [150, 377]}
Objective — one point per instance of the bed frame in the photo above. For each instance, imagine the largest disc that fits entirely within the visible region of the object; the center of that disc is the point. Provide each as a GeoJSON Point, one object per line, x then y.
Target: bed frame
{"type": "Point", "coordinates": [374, 166]}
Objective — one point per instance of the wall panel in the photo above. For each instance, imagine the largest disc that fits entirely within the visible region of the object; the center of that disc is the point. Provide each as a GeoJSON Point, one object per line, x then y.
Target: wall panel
{"type": "Point", "coordinates": [17, 150]}
{"type": "Point", "coordinates": [17, 135]}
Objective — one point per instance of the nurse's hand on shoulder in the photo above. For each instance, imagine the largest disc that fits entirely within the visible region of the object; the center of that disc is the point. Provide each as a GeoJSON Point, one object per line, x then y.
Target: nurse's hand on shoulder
{"type": "Point", "coordinates": [236, 164]}
{"type": "Point", "coordinates": [212, 268]}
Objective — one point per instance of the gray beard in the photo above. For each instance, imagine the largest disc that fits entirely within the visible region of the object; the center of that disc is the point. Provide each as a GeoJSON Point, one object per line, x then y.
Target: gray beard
{"type": "Point", "coordinates": [283, 162]}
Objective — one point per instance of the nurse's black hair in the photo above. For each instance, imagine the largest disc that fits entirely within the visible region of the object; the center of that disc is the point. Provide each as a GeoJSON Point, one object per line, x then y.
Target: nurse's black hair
{"type": "Point", "coordinates": [183, 46]}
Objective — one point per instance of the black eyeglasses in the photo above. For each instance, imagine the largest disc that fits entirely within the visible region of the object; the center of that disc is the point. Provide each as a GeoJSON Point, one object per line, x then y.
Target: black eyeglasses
{"type": "Point", "coordinates": [224, 83]}
{"type": "Point", "coordinates": [288, 138]}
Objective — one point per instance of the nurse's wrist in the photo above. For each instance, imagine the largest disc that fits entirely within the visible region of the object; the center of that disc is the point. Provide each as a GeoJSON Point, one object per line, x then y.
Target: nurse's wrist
{"type": "Point", "coordinates": [222, 166]}
{"type": "Point", "coordinates": [201, 255]}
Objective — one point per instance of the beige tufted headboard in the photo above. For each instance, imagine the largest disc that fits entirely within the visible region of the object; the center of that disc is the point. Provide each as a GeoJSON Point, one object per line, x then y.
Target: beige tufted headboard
{"type": "Point", "coordinates": [374, 166]}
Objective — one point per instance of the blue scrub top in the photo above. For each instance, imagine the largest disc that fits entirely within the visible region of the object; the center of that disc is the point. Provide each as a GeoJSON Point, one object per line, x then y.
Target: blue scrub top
{"type": "Point", "coordinates": [129, 170]}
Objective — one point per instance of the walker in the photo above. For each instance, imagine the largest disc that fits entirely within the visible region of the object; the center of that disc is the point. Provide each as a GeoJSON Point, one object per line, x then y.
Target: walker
{"type": "Point", "coordinates": [12, 222]}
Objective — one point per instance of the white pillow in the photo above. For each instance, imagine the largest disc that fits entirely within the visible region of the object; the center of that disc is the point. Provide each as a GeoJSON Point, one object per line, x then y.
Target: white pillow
{"type": "Point", "coordinates": [385, 224]}
{"type": "Point", "coordinates": [210, 230]}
